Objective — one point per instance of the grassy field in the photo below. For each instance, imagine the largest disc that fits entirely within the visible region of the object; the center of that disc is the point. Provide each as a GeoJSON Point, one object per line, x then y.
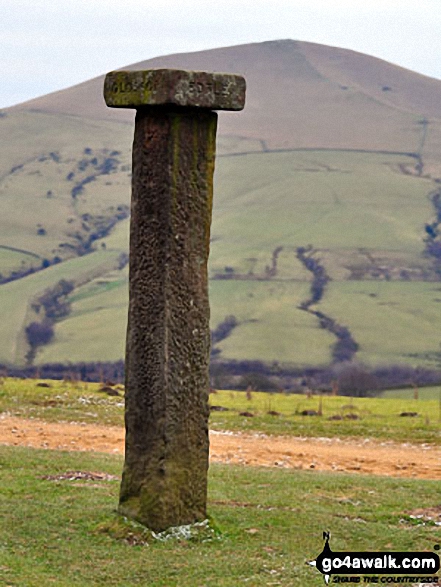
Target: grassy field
{"type": "Point", "coordinates": [55, 132]}
{"type": "Point", "coordinates": [351, 207]}
{"type": "Point", "coordinates": [332, 200]}
{"type": "Point", "coordinates": [13, 259]}
{"type": "Point", "coordinates": [271, 326]}
{"type": "Point", "coordinates": [362, 212]}
{"type": "Point", "coordinates": [393, 322]}
{"type": "Point", "coordinates": [286, 177]}
{"type": "Point", "coordinates": [424, 393]}
{"type": "Point", "coordinates": [97, 324]}
{"type": "Point", "coordinates": [268, 524]}
{"type": "Point", "coordinates": [327, 199]}
{"type": "Point", "coordinates": [35, 190]}
{"type": "Point", "coordinates": [57, 509]}
{"type": "Point", "coordinates": [119, 237]}
{"type": "Point", "coordinates": [377, 417]}
{"type": "Point", "coordinates": [17, 296]}
{"type": "Point", "coordinates": [99, 313]}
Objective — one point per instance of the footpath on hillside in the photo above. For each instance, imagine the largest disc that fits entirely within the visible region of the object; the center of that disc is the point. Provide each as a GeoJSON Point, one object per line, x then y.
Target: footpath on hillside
{"type": "Point", "coordinates": [366, 456]}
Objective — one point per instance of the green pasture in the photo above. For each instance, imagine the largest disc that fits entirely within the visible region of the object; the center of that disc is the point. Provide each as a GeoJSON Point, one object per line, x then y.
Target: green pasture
{"type": "Point", "coordinates": [266, 524]}
{"type": "Point", "coordinates": [118, 239]}
{"type": "Point", "coordinates": [26, 207]}
{"type": "Point", "coordinates": [350, 206]}
{"type": "Point", "coordinates": [11, 260]}
{"type": "Point", "coordinates": [104, 283]}
{"type": "Point", "coordinates": [38, 197]}
{"type": "Point", "coordinates": [61, 401]}
{"type": "Point", "coordinates": [332, 200]}
{"type": "Point", "coordinates": [393, 322]}
{"type": "Point", "coordinates": [422, 393]}
{"type": "Point", "coordinates": [271, 326]}
{"type": "Point", "coordinates": [16, 298]}
{"type": "Point", "coordinates": [31, 134]}
{"type": "Point", "coordinates": [95, 328]}
{"type": "Point", "coordinates": [34, 190]}
{"type": "Point", "coordinates": [271, 413]}
{"type": "Point", "coordinates": [357, 209]}
{"type": "Point", "coordinates": [278, 413]}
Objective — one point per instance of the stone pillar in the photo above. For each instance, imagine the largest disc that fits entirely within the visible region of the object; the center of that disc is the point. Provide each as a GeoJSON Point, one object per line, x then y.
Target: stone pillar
{"type": "Point", "coordinates": [168, 338]}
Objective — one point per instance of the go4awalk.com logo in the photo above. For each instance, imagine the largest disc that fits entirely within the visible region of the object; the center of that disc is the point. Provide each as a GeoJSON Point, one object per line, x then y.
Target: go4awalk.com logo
{"type": "Point", "coordinates": [376, 567]}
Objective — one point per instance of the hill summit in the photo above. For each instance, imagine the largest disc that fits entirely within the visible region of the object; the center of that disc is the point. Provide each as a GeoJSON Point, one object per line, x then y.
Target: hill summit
{"type": "Point", "coordinates": [299, 95]}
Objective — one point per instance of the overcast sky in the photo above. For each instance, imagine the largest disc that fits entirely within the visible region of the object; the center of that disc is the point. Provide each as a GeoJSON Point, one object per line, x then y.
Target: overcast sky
{"type": "Point", "coordinates": [48, 45]}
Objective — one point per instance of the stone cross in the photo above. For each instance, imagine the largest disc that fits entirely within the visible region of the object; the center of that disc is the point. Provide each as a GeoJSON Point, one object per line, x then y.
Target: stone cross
{"type": "Point", "coordinates": [164, 480]}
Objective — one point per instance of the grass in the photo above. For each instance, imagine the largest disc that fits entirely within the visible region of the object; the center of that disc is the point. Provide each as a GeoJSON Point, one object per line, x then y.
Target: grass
{"type": "Point", "coordinates": [66, 533]}
{"type": "Point", "coordinates": [271, 326]}
{"type": "Point", "coordinates": [55, 133]}
{"type": "Point", "coordinates": [340, 202]}
{"type": "Point", "coordinates": [331, 200]}
{"type": "Point", "coordinates": [95, 328]}
{"type": "Point", "coordinates": [10, 260]}
{"type": "Point", "coordinates": [378, 417]}
{"type": "Point", "coordinates": [351, 206]}
{"type": "Point", "coordinates": [62, 401]}
{"type": "Point", "coordinates": [38, 194]}
{"type": "Point", "coordinates": [119, 237]}
{"type": "Point", "coordinates": [424, 393]}
{"type": "Point", "coordinates": [269, 524]}
{"type": "Point", "coordinates": [16, 297]}
{"type": "Point", "coordinates": [393, 322]}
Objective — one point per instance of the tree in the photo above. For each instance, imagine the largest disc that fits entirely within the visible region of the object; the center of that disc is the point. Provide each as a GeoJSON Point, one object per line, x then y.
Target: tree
{"type": "Point", "coordinates": [355, 380]}
{"type": "Point", "coordinates": [257, 382]}
{"type": "Point", "coordinates": [39, 333]}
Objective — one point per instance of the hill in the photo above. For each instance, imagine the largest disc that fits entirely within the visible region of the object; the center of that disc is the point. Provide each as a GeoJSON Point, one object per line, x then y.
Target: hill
{"type": "Point", "coordinates": [300, 96]}
{"type": "Point", "coordinates": [325, 236]}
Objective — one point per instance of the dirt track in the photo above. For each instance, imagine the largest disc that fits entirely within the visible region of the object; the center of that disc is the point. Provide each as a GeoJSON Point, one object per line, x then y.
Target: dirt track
{"type": "Point", "coordinates": [321, 454]}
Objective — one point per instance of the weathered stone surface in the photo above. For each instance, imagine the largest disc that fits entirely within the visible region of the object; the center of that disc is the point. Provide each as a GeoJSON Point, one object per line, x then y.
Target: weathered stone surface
{"type": "Point", "coordinates": [134, 89]}
{"type": "Point", "coordinates": [165, 473]}
{"type": "Point", "coordinates": [168, 337]}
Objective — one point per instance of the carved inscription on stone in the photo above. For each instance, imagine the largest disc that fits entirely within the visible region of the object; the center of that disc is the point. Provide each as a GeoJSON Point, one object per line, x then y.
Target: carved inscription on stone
{"type": "Point", "coordinates": [155, 87]}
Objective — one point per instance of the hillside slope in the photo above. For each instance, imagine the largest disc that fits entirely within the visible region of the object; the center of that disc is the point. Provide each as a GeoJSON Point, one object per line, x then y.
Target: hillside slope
{"type": "Point", "coordinates": [336, 153]}
{"type": "Point", "coordinates": [300, 95]}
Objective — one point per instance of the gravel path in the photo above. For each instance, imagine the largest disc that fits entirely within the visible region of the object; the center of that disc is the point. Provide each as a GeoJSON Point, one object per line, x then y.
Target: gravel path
{"type": "Point", "coordinates": [322, 454]}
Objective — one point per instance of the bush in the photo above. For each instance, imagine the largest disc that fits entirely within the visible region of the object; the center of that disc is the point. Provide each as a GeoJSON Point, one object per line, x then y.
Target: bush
{"type": "Point", "coordinates": [355, 380]}
{"type": "Point", "coordinates": [224, 329]}
{"type": "Point", "coordinates": [257, 382]}
{"type": "Point", "coordinates": [39, 333]}
{"type": "Point", "coordinates": [55, 301]}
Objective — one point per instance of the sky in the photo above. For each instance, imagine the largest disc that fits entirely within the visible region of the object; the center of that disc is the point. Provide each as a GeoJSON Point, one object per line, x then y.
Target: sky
{"type": "Point", "coordinates": [48, 45]}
